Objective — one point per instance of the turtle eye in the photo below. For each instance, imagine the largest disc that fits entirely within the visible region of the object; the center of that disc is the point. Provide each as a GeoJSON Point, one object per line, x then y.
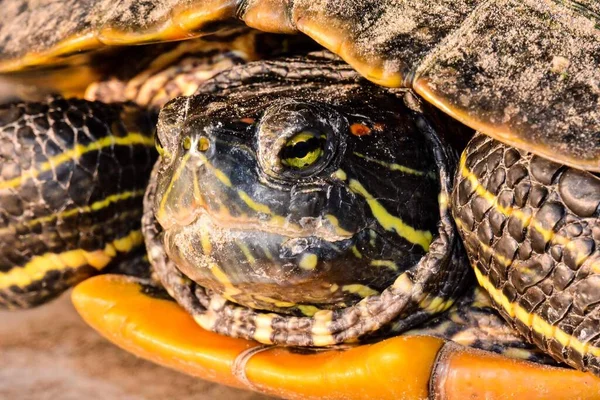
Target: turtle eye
{"type": "Point", "coordinates": [303, 149]}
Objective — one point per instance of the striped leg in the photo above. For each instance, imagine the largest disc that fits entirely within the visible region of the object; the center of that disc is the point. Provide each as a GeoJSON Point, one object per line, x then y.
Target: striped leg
{"type": "Point", "coordinates": [473, 322]}
{"type": "Point", "coordinates": [72, 178]}
{"type": "Point", "coordinates": [532, 231]}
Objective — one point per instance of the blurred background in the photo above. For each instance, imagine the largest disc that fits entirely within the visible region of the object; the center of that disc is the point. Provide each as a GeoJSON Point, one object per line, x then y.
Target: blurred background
{"type": "Point", "coordinates": [49, 353]}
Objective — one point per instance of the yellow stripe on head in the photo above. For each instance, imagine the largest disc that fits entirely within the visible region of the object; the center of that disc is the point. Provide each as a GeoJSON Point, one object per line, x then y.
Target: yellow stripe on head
{"type": "Point", "coordinates": [247, 252]}
{"type": "Point", "coordinates": [258, 207]}
{"type": "Point", "coordinates": [229, 289]}
{"type": "Point", "coordinates": [391, 166]}
{"type": "Point", "coordinates": [161, 208]}
{"type": "Point", "coordinates": [391, 222]}
{"type": "Point", "coordinates": [384, 263]}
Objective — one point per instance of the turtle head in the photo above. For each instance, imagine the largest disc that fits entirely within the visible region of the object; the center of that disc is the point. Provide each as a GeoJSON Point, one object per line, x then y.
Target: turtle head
{"type": "Point", "coordinates": [295, 199]}
{"type": "Point", "coordinates": [274, 174]}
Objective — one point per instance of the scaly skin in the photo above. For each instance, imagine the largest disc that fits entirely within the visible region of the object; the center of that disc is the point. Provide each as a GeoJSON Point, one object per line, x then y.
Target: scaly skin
{"type": "Point", "coordinates": [71, 186]}
{"type": "Point", "coordinates": [532, 231]}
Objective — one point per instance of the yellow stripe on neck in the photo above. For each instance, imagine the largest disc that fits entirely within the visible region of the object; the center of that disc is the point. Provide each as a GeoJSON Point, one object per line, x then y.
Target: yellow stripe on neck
{"type": "Point", "coordinates": [525, 219]}
{"type": "Point", "coordinates": [76, 152]}
{"type": "Point", "coordinates": [514, 310]}
{"type": "Point", "coordinates": [98, 205]}
{"type": "Point", "coordinates": [534, 321]}
{"type": "Point", "coordinates": [39, 266]}
{"type": "Point", "coordinates": [500, 259]}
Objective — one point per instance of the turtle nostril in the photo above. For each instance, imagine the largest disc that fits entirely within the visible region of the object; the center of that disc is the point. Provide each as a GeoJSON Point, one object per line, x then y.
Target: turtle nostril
{"type": "Point", "coordinates": [187, 143]}
{"type": "Point", "coordinates": [203, 144]}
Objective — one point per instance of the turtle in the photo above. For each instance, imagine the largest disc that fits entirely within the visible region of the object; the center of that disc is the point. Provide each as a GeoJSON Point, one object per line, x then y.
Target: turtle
{"type": "Point", "coordinates": [518, 72]}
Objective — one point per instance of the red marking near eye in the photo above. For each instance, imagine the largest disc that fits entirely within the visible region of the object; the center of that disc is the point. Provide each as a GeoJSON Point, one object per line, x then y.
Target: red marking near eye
{"type": "Point", "coordinates": [360, 129]}
{"type": "Point", "coordinates": [247, 120]}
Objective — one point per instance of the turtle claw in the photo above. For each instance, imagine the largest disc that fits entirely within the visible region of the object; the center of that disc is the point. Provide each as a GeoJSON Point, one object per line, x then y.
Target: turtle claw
{"type": "Point", "coordinates": [408, 367]}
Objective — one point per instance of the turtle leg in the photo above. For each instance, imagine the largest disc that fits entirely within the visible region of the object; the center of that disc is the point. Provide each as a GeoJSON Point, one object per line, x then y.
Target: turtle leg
{"type": "Point", "coordinates": [173, 69]}
{"type": "Point", "coordinates": [72, 179]}
{"type": "Point", "coordinates": [532, 231]}
{"type": "Point", "coordinates": [473, 322]}
{"type": "Point", "coordinates": [169, 70]}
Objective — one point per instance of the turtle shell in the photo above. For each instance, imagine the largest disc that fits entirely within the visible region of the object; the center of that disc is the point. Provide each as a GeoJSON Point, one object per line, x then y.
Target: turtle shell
{"type": "Point", "coordinates": [524, 72]}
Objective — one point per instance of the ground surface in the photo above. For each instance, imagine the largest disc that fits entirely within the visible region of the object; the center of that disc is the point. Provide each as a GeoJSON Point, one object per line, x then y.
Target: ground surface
{"type": "Point", "coordinates": [49, 353]}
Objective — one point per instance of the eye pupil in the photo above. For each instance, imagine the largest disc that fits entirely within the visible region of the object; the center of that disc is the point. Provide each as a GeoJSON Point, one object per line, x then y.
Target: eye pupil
{"type": "Point", "coordinates": [302, 150]}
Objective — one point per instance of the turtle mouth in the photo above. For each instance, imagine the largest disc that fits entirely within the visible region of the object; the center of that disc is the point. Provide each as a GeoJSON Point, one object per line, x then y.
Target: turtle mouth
{"type": "Point", "coordinates": [261, 265]}
{"type": "Point", "coordinates": [325, 228]}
